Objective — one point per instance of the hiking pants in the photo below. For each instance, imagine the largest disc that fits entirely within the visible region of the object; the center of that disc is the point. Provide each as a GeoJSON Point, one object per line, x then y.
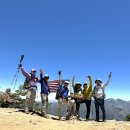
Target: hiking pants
{"type": "Point", "coordinates": [88, 106]}
{"type": "Point", "coordinates": [99, 102]}
{"type": "Point", "coordinates": [30, 100]}
{"type": "Point", "coordinates": [44, 108]}
{"type": "Point", "coordinates": [61, 102]}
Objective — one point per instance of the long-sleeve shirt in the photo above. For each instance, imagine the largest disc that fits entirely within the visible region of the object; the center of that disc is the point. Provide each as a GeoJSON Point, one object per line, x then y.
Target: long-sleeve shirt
{"type": "Point", "coordinates": [32, 80]}
{"type": "Point", "coordinates": [44, 86]}
{"type": "Point", "coordinates": [77, 91]}
{"type": "Point", "coordinates": [88, 90]}
{"type": "Point", "coordinates": [99, 91]}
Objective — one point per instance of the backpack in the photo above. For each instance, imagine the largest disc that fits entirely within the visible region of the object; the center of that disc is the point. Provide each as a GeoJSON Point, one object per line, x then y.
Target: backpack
{"type": "Point", "coordinates": [26, 83]}
{"type": "Point", "coordinates": [104, 95]}
{"type": "Point", "coordinates": [59, 93]}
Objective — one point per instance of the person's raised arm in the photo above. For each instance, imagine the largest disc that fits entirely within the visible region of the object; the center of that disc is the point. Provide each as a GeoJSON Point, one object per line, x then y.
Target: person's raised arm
{"type": "Point", "coordinates": [90, 85]}
{"type": "Point", "coordinates": [41, 74]}
{"type": "Point", "coordinates": [27, 75]}
{"type": "Point", "coordinates": [109, 77]}
{"type": "Point", "coordinates": [73, 82]}
{"type": "Point", "coordinates": [60, 78]}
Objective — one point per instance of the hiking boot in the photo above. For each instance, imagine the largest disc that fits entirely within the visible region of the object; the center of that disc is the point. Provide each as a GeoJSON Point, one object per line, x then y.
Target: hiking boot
{"type": "Point", "coordinates": [97, 120]}
{"type": "Point", "coordinates": [87, 119]}
{"type": "Point", "coordinates": [104, 120]}
{"type": "Point", "coordinates": [32, 112]}
{"type": "Point", "coordinates": [46, 116]}
{"type": "Point", "coordinates": [61, 118]}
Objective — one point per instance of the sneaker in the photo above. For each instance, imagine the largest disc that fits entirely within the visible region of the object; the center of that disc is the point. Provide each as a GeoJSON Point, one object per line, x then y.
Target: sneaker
{"type": "Point", "coordinates": [26, 111]}
{"type": "Point", "coordinates": [80, 119]}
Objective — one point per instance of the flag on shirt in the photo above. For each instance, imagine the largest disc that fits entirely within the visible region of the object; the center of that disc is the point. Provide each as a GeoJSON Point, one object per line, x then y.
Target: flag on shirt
{"type": "Point", "coordinates": [54, 85]}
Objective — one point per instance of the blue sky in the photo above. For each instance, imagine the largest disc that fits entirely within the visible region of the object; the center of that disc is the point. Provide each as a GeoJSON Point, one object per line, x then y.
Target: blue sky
{"type": "Point", "coordinates": [78, 37]}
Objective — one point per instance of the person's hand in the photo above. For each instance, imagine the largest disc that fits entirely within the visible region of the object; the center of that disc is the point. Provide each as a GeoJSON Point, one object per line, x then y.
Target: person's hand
{"type": "Point", "coordinates": [74, 77]}
{"type": "Point", "coordinates": [110, 74]}
{"type": "Point", "coordinates": [41, 71]}
{"type": "Point", "coordinates": [59, 72]}
{"type": "Point", "coordinates": [49, 91]}
{"type": "Point", "coordinates": [37, 78]}
{"type": "Point", "coordinates": [19, 65]}
{"type": "Point", "coordinates": [88, 76]}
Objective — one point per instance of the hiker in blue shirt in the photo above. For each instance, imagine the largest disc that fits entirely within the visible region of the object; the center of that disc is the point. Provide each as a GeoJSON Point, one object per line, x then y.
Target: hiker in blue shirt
{"type": "Point", "coordinates": [44, 93]}
{"type": "Point", "coordinates": [62, 97]}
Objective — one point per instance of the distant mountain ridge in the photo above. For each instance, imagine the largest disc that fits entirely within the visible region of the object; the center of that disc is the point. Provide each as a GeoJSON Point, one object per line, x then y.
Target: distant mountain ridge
{"type": "Point", "coordinates": [115, 109]}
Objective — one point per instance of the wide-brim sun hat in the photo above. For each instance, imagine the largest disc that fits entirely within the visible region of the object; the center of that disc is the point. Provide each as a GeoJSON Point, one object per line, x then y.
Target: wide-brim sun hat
{"type": "Point", "coordinates": [78, 83]}
{"type": "Point", "coordinates": [98, 80]}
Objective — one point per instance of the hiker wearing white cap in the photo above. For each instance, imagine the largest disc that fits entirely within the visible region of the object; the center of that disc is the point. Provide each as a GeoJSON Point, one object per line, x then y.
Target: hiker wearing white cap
{"type": "Point", "coordinates": [62, 97]}
{"type": "Point", "coordinates": [99, 96]}
{"type": "Point", "coordinates": [44, 93]}
{"type": "Point", "coordinates": [31, 90]}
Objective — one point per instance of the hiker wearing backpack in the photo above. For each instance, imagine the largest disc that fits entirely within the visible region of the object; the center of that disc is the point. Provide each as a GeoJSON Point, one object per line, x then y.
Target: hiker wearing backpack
{"type": "Point", "coordinates": [44, 93]}
{"type": "Point", "coordinates": [99, 96]}
{"type": "Point", "coordinates": [77, 90]}
{"type": "Point", "coordinates": [31, 91]}
{"type": "Point", "coordinates": [62, 97]}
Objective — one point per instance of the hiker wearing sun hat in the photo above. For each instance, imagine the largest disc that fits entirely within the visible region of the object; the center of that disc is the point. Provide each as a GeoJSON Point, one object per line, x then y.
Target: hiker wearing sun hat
{"type": "Point", "coordinates": [99, 96]}
{"type": "Point", "coordinates": [77, 87]}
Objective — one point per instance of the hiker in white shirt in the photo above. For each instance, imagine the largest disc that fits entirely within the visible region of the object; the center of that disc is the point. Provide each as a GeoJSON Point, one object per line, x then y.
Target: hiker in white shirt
{"type": "Point", "coordinates": [99, 96]}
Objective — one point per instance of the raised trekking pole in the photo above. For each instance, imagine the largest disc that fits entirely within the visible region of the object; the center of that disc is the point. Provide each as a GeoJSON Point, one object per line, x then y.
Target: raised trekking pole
{"type": "Point", "coordinates": [17, 72]}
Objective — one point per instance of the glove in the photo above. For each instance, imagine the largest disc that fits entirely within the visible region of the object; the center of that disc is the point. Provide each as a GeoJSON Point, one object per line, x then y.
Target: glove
{"type": "Point", "coordinates": [19, 65]}
{"type": "Point", "coordinates": [59, 72]}
{"type": "Point", "coordinates": [110, 74]}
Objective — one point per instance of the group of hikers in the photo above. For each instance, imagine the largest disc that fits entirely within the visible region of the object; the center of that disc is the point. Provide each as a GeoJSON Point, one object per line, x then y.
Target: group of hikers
{"type": "Point", "coordinates": [76, 98]}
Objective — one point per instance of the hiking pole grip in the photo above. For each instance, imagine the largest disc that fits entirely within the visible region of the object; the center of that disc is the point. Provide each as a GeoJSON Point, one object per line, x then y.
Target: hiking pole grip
{"type": "Point", "coordinates": [22, 56]}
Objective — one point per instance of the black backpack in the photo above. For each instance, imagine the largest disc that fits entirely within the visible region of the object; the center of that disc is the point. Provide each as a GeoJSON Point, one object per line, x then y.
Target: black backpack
{"type": "Point", "coordinates": [59, 93]}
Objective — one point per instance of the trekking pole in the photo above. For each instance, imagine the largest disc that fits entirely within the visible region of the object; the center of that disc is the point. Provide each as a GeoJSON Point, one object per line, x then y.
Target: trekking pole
{"type": "Point", "coordinates": [17, 72]}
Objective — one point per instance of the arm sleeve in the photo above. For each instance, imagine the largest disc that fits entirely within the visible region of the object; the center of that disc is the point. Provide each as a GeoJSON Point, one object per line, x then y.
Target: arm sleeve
{"type": "Point", "coordinates": [90, 86]}
{"type": "Point", "coordinates": [73, 84]}
{"type": "Point", "coordinates": [27, 75]}
{"type": "Point", "coordinates": [104, 86]}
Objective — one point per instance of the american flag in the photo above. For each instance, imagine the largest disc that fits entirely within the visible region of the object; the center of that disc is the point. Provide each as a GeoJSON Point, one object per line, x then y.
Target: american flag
{"type": "Point", "coordinates": [54, 85]}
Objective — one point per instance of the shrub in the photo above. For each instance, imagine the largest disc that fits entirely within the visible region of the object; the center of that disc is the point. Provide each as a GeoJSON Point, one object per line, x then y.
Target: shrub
{"type": "Point", "coordinates": [128, 118]}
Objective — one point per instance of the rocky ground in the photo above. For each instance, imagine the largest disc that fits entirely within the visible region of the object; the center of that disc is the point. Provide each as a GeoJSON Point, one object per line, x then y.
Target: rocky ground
{"type": "Point", "coordinates": [13, 119]}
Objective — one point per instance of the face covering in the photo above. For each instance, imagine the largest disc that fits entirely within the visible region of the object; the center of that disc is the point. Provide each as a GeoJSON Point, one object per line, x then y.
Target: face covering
{"type": "Point", "coordinates": [33, 73]}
